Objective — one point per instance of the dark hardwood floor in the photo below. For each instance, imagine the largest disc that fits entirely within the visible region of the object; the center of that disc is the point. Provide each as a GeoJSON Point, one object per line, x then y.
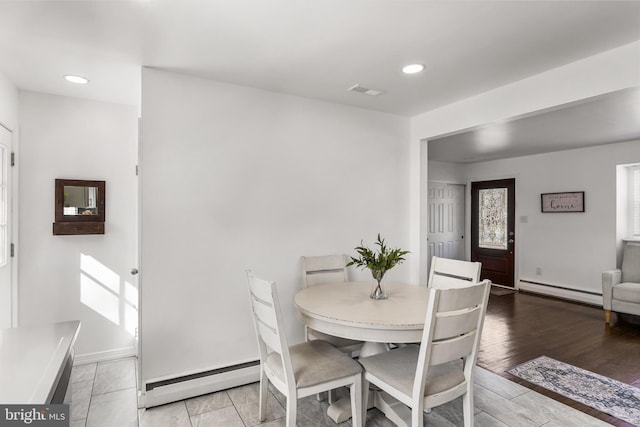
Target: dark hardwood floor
{"type": "Point", "coordinates": [522, 326]}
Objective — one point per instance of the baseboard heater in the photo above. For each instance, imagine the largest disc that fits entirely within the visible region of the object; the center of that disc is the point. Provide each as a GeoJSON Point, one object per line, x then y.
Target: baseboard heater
{"type": "Point", "coordinates": [588, 297]}
{"type": "Point", "coordinates": [187, 386]}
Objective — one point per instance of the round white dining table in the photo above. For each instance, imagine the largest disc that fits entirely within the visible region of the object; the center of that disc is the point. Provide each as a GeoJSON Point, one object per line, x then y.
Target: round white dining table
{"type": "Point", "coordinates": [346, 310]}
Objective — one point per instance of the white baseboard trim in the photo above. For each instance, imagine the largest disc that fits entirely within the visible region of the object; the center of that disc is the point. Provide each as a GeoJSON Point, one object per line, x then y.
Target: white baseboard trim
{"type": "Point", "coordinates": [198, 386]}
{"type": "Point", "coordinates": [503, 286]}
{"type": "Point", "coordinates": [560, 292]}
{"type": "Point", "coordinates": [102, 356]}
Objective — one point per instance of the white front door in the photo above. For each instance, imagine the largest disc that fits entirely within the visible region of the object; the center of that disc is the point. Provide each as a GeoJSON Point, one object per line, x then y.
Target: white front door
{"type": "Point", "coordinates": [446, 221]}
{"type": "Point", "coordinates": [6, 288]}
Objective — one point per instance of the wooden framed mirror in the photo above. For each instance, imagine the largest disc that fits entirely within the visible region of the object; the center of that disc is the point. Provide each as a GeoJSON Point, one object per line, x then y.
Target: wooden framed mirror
{"type": "Point", "coordinates": [80, 207]}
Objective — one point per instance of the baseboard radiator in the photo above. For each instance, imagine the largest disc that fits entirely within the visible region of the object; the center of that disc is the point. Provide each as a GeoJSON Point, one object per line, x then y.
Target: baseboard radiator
{"type": "Point", "coordinates": [559, 291]}
{"type": "Point", "coordinates": [186, 386]}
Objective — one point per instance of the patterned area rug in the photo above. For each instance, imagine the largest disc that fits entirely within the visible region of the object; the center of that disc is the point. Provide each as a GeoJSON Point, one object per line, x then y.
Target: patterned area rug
{"type": "Point", "coordinates": [601, 393]}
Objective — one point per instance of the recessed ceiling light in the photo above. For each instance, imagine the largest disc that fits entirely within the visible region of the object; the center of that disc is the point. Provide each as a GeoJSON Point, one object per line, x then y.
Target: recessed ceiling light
{"type": "Point", "coordinates": [76, 79]}
{"type": "Point", "coordinates": [412, 68]}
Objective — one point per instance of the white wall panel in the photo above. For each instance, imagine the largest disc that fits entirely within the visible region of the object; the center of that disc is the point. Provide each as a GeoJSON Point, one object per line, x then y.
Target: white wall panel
{"type": "Point", "coordinates": [236, 178]}
{"type": "Point", "coordinates": [8, 104]}
{"type": "Point", "coordinates": [78, 277]}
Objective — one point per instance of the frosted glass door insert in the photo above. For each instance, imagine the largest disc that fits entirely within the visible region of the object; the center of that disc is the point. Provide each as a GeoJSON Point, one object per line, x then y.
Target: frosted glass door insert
{"type": "Point", "coordinates": [493, 218]}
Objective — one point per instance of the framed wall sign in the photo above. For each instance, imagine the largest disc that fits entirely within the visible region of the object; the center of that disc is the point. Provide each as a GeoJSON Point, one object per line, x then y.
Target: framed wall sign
{"type": "Point", "coordinates": [563, 202]}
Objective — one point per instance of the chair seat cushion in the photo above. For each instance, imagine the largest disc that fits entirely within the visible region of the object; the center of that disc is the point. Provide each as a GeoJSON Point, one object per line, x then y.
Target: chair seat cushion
{"type": "Point", "coordinates": [626, 291]}
{"type": "Point", "coordinates": [315, 362]}
{"type": "Point", "coordinates": [398, 369]}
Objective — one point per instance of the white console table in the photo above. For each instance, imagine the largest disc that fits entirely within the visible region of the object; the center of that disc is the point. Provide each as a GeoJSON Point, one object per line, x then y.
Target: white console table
{"type": "Point", "coordinates": [35, 362]}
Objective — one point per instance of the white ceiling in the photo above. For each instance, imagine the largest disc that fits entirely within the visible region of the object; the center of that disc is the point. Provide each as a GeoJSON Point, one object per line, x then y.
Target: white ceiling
{"type": "Point", "coordinates": [311, 48]}
{"type": "Point", "coordinates": [605, 119]}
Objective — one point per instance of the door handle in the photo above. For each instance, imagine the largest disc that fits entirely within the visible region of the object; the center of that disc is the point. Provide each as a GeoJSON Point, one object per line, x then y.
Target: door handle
{"type": "Point", "coordinates": [510, 241]}
{"type": "Point", "coordinates": [134, 271]}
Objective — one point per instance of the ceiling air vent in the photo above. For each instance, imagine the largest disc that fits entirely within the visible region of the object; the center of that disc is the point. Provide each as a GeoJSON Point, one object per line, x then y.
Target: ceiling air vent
{"type": "Point", "coordinates": [366, 91]}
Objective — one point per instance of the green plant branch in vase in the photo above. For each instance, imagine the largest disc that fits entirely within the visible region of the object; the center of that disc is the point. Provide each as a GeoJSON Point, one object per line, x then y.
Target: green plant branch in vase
{"type": "Point", "coordinates": [379, 261]}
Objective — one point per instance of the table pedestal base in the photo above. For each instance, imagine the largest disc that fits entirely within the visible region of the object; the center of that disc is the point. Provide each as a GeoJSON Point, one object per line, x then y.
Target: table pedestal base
{"type": "Point", "coordinates": [396, 411]}
{"type": "Point", "coordinates": [372, 348]}
{"type": "Point", "coordinates": [393, 409]}
{"type": "Point", "coordinates": [340, 411]}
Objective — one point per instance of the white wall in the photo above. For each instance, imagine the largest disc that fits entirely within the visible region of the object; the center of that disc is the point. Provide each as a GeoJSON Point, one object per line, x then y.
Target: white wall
{"type": "Point", "coordinates": [453, 173]}
{"type": "Point", "coordinates": [77, 139]}
{"type": "Point", "coordinates": [572, 249]}
{"type": "Point", "coordinates": [236, 178]}
{"type": "Point", "coordinates": [8, 103]}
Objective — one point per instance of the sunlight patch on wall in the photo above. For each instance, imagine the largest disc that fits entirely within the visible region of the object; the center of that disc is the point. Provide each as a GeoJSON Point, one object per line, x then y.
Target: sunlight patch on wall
{"type": "Point", "coordinates": [131, 294]}
{"type": "Point", "coordinates": [99, 299]}
{"type": "Point", "coordinates": [100, 272]}
{"type": "Point", "coordinates": [102, 291]}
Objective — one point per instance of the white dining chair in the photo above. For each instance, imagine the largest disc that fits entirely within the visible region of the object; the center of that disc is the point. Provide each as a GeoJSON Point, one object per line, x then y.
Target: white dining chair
{"type": "Point", "coordinates": [448, 273]}
{"type": "Point", "coordinates": [440, 369]}
{"type": "Point", "coordinates": [300, 370]}
{"type": "Point", "coordinates": [318, 270]}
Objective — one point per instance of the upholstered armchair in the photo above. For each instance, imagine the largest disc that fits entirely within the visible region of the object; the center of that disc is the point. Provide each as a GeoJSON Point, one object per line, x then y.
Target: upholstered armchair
{"type": "Point", "coordinates": [621, 287]}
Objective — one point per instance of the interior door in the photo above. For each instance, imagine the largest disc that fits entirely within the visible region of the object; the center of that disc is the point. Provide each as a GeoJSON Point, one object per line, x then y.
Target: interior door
{"type": "Point", "coordinates": [6, 287]}
{"type": "Point", "coordinates": [493, 208]}
{"type": "Point", "coordinates": [446, 221]}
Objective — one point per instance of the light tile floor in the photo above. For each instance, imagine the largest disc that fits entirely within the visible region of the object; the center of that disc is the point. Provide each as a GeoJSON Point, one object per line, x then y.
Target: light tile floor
{"type": "Point", "coordinates": [104, 395]}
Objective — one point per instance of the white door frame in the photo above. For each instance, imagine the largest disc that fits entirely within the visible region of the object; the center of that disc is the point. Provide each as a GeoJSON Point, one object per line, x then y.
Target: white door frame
{"type": "Point", "coordinates": [12, 178]}
{"type": "Point", "coordinates": [141, 392]}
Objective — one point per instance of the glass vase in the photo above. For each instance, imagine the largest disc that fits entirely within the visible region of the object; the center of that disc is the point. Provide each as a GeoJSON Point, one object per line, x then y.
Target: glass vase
{"type": "Point", "coordinates": [378, 291]}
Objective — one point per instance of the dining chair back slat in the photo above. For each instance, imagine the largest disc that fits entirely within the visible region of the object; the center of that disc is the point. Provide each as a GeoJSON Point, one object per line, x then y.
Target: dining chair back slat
{"type": "Point", "coordinates": [261, 289]}
{"type": "Point", "coordinates": [454, 325]}
{"type": "Point", "coordinates": [460, 299]}
{"type": "Point", "coordinates": [326, 276]}
{"type": "Point", "coordinates": [452, 273]}
{"type": "Point", "coordinates": [451, 349]}
{"type": "Point", "coordinates": [448, 282]}
{"type": "Point", "coordinates": [264, 312]}
{"type": "Point", "coordinates": [317, 270]}
{"type": "Point", "coordinates": [269, 336]}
